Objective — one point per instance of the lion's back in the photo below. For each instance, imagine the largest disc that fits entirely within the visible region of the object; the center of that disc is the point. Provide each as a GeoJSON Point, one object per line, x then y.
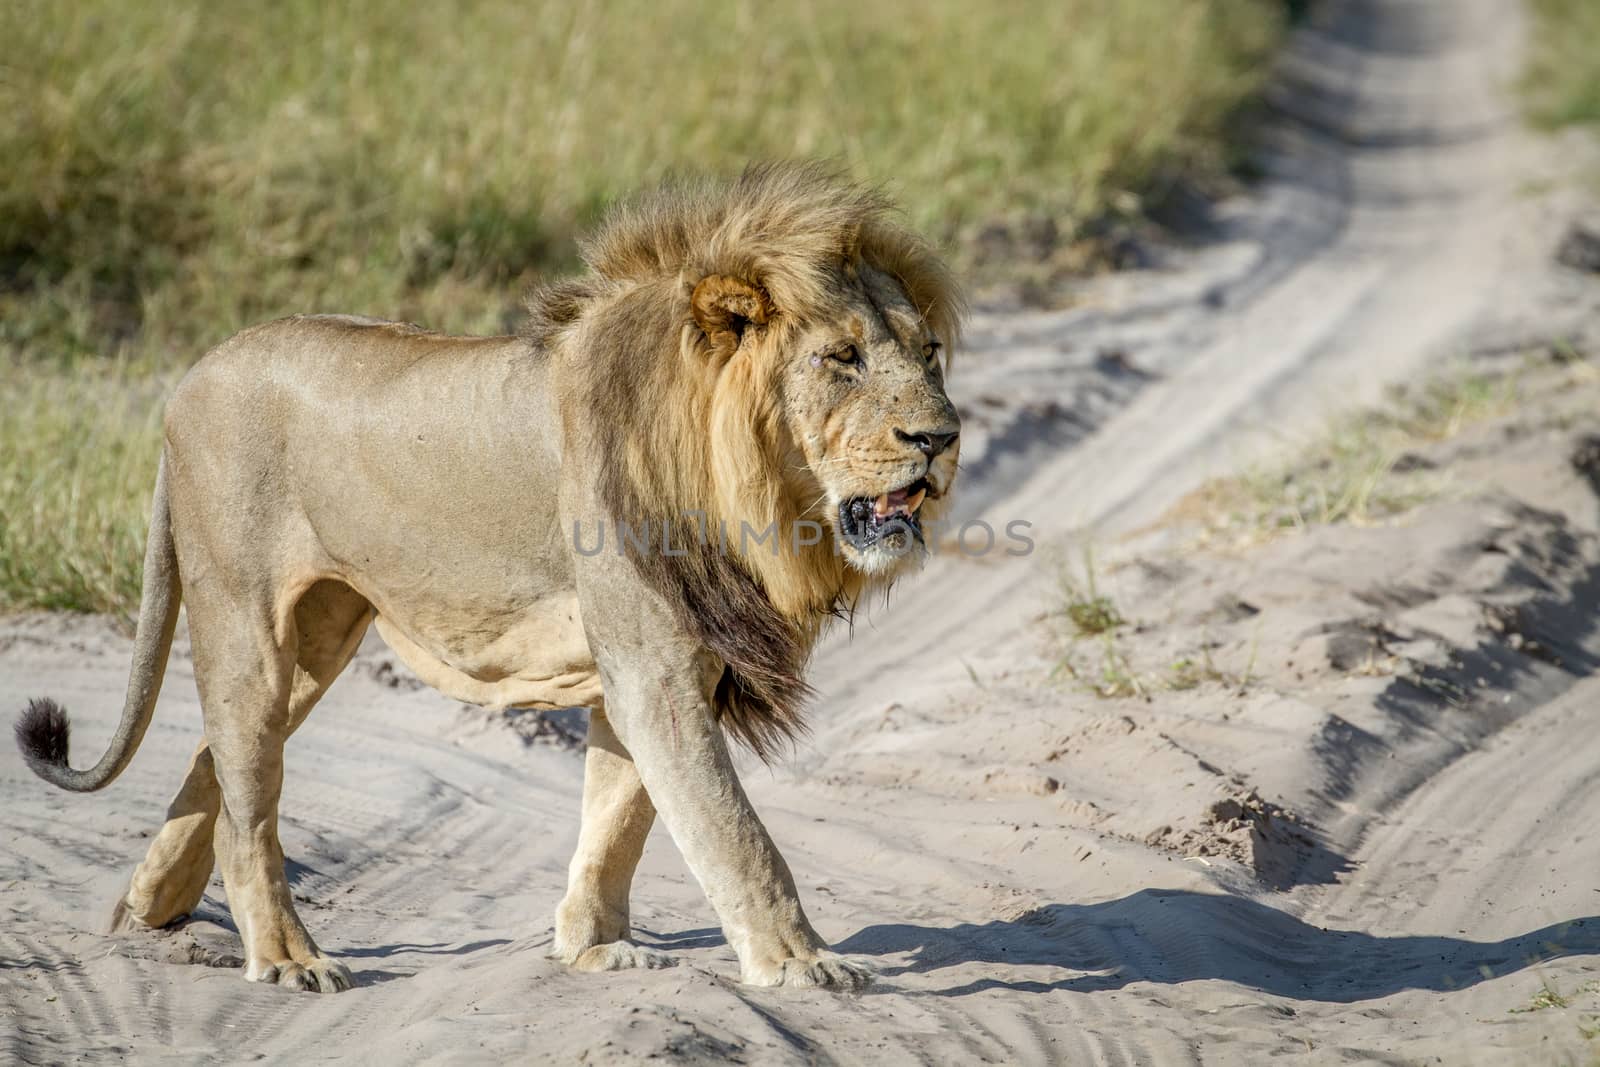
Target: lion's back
{"type": "Point", "coordinates": [330, 410]}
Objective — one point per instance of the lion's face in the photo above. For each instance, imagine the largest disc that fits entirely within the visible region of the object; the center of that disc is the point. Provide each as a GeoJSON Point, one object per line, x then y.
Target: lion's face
{"type": "Point", "coordinates": [864, 401]}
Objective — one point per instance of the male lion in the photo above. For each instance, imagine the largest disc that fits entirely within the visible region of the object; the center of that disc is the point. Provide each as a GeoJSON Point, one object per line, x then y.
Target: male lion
{"type": "Point", "coordinates": [759, 354]}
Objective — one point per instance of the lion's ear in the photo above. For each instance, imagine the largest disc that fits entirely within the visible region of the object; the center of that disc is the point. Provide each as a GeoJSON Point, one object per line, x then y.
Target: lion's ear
{"type": "Point", "coordinates": [724, 307]}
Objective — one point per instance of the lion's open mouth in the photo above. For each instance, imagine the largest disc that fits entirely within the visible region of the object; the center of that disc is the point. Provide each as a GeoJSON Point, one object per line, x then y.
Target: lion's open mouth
{"type": "Point", "coordinates": [890, 520]}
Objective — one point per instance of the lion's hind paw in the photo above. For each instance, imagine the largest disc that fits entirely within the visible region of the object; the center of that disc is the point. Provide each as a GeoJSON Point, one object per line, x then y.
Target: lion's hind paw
{"type": "Point", "coordinates": [620, 956]}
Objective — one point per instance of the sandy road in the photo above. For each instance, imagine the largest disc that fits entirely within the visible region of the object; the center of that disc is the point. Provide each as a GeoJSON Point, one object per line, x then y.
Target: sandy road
{"type": "Point", "coordinates": [428, 849]}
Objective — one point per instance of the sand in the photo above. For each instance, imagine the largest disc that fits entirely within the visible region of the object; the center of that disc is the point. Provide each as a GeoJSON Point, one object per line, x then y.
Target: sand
{"type": "Point", "coordinates": [1365, 833]}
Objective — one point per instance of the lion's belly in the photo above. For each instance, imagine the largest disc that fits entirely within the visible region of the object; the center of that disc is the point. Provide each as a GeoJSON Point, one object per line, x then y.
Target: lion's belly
{"type": "Point", "coordinates": [541, 660]}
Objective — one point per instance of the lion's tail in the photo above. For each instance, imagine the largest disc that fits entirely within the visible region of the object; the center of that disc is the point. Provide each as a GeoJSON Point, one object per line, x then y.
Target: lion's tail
{"type": "Point", "coordinates": [43, 729]}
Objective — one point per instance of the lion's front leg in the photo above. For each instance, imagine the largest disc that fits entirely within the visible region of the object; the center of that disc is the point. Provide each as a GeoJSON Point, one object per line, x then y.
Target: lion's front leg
{"type": "Point", "coordinates": [592, 921]}
{"type": "Point", "coordinates": [682, 758]}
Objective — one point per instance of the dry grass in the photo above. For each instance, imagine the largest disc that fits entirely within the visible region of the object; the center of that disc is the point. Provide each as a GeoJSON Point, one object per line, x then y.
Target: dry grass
{"type": "Point", "coordinates": [176, 171]}
{"type": "Point", "coordinates": [1550, 996]}
{"type": "Point", "coordinates": [1363, 470]}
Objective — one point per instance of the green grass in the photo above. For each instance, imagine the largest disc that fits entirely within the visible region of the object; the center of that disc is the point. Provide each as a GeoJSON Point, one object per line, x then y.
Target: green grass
{"type": "Point", "coordinates": [1563, 76]}
{"type": "Point", "coordinates": [79, 462]}
{"type": "Point", "coordinates": [176, 171]}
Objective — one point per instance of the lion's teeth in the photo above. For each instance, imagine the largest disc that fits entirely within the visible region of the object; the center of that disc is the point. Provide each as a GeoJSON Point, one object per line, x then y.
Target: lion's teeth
{"type": "Point", "coordinates": [881, 506]}
{"type": "Point", "coordinates": [916, 500]}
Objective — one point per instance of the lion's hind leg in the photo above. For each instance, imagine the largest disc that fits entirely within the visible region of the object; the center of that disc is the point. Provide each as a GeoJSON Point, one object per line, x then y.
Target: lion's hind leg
{"type": "Point", "coordinates": [255, 689]}
{"type": "Point", "coordinates": [170, 882]}
{"type": "Point", "coordinates": [330, 620]}
{"type": "Point", "coordinates": [592, 920]}
{"type": "Point", "coordinates": [246, 699]}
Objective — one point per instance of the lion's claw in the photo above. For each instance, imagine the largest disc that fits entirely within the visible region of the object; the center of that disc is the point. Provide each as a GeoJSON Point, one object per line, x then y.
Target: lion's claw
{"type": "Point", "coordinates": [319, 976]}
{"type": "Point", "coordinates": [829, 971]}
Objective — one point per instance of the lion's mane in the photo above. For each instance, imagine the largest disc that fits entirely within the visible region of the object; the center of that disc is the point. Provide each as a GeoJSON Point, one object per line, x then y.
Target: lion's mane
{"type": "Point", "coordinates": [685, 435]}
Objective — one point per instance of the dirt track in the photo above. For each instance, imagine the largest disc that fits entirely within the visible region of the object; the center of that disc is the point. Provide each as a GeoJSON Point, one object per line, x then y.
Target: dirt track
{"type": "Point", "coordinates": [1042, 875]}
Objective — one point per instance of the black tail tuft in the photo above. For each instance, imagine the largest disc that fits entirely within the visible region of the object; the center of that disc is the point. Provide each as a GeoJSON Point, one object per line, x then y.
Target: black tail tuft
{"type": "Point", "coordinates": [43, 732]}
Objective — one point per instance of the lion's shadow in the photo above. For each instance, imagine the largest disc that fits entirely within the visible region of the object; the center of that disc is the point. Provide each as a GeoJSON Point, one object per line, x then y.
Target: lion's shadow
{"type": "Point", "coordinates": [1168, 936]}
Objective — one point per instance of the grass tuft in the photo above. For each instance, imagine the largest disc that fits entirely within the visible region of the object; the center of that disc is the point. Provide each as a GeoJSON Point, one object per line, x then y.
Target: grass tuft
{"type": "Point", "coordinates": [1087, 611]}
{"type": "Point", "coordinates": [1190, 673]}
{"type": "Point", "coordinates": [1091, 615]}
{"type": "Point", "coordinates": [1549, 996]}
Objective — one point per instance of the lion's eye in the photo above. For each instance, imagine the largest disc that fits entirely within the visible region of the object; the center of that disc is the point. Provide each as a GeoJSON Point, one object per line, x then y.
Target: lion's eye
{"type": "Point", "coordinates": [846, 356]}
{"type": "Point", "coordinates": [931, 350]}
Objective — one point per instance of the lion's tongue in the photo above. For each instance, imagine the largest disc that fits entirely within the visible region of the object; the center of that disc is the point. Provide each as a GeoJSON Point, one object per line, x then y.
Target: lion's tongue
{"type": "Point", "coordinates": [889, 503]}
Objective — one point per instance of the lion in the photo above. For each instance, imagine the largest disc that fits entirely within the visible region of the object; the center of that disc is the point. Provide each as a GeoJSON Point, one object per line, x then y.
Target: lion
{"type": "Point", "coordinates": [744, 388]}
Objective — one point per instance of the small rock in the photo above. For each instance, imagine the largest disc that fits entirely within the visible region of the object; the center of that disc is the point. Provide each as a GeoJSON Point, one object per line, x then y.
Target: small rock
{"type": "Point", "coordinates": [1230, 608]}
{"type": "Point", "coordinates": [1580, 248]}
{"type": "Point", "coordinates": [1412, 461]}
{"type": "Point", "coordinates": [1225, 810]}
{"type": "Point", "coordinates": [1585, 459]}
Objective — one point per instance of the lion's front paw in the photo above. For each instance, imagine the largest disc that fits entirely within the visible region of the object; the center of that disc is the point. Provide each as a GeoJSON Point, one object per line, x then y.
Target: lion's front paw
{"type": "Point", "coordinates": [321, 975]}
{"type": "Point", "coordinates": [620, 956]}
{"type": "Point", "coordinates": [827, 970]}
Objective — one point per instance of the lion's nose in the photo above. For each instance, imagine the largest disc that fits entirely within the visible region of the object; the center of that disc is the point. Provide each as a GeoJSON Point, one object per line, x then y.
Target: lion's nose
{"type": "Point", "coordinates": [930, 443]}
